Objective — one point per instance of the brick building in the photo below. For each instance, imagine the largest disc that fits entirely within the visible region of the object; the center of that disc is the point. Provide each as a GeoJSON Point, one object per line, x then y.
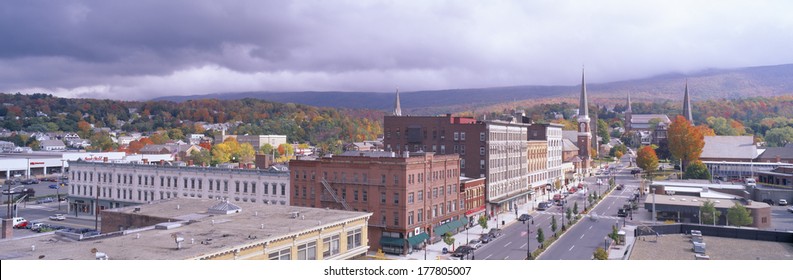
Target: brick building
{"type": "Point", "coordinates": [496, 150]}
{"type": "Point", "coordinates": [413, 196]}
{"type": "Point", "coordinates": [473, 191]}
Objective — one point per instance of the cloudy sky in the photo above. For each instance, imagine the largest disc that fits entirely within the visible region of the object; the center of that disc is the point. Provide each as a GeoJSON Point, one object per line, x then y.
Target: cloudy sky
{"type": "Point", "coordinates": [142, 49]}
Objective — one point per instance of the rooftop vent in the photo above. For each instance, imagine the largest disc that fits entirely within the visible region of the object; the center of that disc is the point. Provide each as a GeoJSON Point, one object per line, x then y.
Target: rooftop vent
{"type": "Point", "coordinates": [224, 208]}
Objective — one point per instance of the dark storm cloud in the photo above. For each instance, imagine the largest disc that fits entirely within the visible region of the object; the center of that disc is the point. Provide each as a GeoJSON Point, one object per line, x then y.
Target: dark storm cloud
{"type": "Point", "coordinates": [142, 49]}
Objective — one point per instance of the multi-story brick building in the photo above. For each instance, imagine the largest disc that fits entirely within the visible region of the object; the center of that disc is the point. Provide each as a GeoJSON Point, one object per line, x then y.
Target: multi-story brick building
{"type": "Point", "coordinates": [496, 150]}
{"type": "Point", "coordinates": [473, 191]}
{"type": "Point", "coordinates": [413, 196]}
{"type": "Point", "coordinates": [96, 185]}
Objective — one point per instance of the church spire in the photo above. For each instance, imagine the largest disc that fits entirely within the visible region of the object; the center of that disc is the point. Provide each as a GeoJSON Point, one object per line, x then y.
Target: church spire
{"type": "Point", "coordinates": [583, 106]}
{"type": "Point", "coordinates": [629, 110]}
{"type": "Point", "coordinates": [687, 105]}
{"type": "Point", "coordinates": [397, 108]}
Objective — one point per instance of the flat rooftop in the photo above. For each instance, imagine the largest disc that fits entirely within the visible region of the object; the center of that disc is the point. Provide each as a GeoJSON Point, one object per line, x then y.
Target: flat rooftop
{"type": "Point", "coordinates": [679, 247]}
{"type": "Point", "coordinates": [256, 224]}
{"type": "Point", "coordinates": [694, 201]}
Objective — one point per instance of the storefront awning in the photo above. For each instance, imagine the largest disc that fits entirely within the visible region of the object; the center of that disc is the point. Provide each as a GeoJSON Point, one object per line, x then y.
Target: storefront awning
{"type": "Point", "coordinates": [417, 239]}
{"type": "Point", "coordinates": [392, 241]}
{"type": "Point", "coordinates": [444, 228]}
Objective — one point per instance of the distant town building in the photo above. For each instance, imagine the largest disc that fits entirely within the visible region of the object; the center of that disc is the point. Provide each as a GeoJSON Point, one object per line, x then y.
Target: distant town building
{"type": "Point", "coordinates": [473, 192]}
{"type": "Point", "coordinates": [122, 184]}
{"type": "Point", "coordinates": [413, 196]}
{"type": "Point", "coordinates": [257, 141]}
{"type": "Point", "coordinates": [585, 134]}
{"type": "Point", "coordinates": [52, 145]}
{"type": "Point", "coordinates": [777, 154]}
{"type": "Point", "coordinates": [729, 148]}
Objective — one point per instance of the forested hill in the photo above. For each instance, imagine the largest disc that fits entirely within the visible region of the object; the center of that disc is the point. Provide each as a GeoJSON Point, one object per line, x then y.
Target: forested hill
{"type": "Point", "coordinates": [765, 81]}
{"type": "Point", "coordinates": [301, 123]}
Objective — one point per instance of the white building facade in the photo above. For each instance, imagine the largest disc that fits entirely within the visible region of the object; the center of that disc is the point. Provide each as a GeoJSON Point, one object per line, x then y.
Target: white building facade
{"type": "Point", "coordinates": [507, 169]}
{"type": "Point", "coordinates": [96, 186]}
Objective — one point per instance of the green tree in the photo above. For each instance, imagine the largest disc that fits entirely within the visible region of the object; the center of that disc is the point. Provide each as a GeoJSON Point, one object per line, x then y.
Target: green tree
{"type": "Point", "coordinates": [575, 207]}
{"type": "Point", "coordinates": [697, 170]}
{"type": "Point", "coordinates": [102, 142]}
{"type": "Point", "coordinates": [614, 235]}
{"type": "Point", "coordinates": [267, 149]}
{"type": "Point", "coordinates": [569, 214]}
{"type": "Point", "coordinates": [591, 198]}
{"type": "Point", "coordinates": [176, 134]}
{"type": "Point", "coordinates": [448, 239]}
{"type": "Point", "coordinates": [778, 137]}
{"type": "Point", "coordinates": [601, 254]}
{"type": "Point", "coordinates": [554, 226]}
{"type": "Point", "coordinates": [286, 149]}
{"type": "Point", "coordinates": [540, 236]}
{"type": "Point", "coordinates": [201, 158]}
{"type": "Point", "coordinates": [245, 153]}
{"type": "Point", "coordinates": [708, 213]}
{"type": "Point", "coordinates": [483, 222]}
{"type": "Point", "coordinates": [739, 216]}
{"type": "Point", "coordinates": [603, 130]}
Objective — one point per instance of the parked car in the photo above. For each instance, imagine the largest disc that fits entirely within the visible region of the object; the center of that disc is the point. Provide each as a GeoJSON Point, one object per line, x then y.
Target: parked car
{"type": "Point", "coordinates": [462, 251]}
{"type": "Point", "coordinates": [485, 238]}
{"type": "Point", "coordinates": [620, 187]}
{"type": "Point", "coordinates": [636, 171]}
{"type": "Point", "coordinates": [58, 217]}
{"type": "Point", "coordinates": [37, 227]}
{"type": "Point", "coordinates": [494, 233]}
{"type": "Point", "coordinates": [20, 222]}
{"type": "Point", "coordinates": [790, 209]}
{"type": "Point", "coordinates": [544, 206]}
{"type": "Point", "coordinates": [53, 186]}
{"type": "Point", "coordinates": [476, 243]}
{"type": "Point", "coordinates": [622, 212]}
{"type": "Point", "coordinates": [524, 217]}
{"type": "Point", "coordinates": [769, 201]}
{"type": "Point", "coordinates": [45, 200]}
{"type": "Point", "coordinates": [782, 202]}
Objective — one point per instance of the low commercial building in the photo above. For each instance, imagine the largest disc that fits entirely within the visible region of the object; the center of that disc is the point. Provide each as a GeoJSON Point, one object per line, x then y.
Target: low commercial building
{"type": "Point", "coordinates": [97, 186]}
{"type": "Point", "coordinates": [681, 202]}
{"type": "Point", "coordinates": [205, 229]}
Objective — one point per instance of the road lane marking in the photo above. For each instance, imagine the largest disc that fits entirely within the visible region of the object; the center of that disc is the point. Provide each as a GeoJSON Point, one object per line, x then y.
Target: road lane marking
{"type": "Point", "coordinates": [582, 236]}
{"type": "Point", "coordinates": [571, 248]}
{"type": "Point", "coordinates": [505, 245]}
{"type": "Point", "coordinates": [590, 227]}
{"type": "Point", "coordinates": [507, 257]}
{"type": "Point", "coordinates": [488, 256]}
{"type": "Point", "coordinates": [524, 245]}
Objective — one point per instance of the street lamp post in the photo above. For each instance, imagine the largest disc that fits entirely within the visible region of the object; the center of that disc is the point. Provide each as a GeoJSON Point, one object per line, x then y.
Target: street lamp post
{"type": "Point", "coordinates": [528, 239]}
{"type": "Point", "coordinates": [606, 244]}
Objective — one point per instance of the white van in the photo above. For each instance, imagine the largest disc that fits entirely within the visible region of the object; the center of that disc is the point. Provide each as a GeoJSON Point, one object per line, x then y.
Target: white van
{"type": "Point", "coordinates": [750, 182]}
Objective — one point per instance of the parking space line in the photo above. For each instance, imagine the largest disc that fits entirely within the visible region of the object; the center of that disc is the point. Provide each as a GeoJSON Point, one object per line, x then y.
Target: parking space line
{"type": "Point", "coordinates": [505, 245]}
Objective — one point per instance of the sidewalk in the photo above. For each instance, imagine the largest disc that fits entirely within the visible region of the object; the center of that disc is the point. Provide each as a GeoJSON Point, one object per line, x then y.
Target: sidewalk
{"type": "Point", "coordinates": [622, 252]}
{"type": "Point", "coordinates": [435, 251]}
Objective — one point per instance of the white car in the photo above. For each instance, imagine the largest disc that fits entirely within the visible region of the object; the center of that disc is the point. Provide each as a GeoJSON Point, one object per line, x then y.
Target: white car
{"type": "Point", "coordinates": [782, 202]}
{"type": "Point", "coordinates": [58, 217]}
{"type": "Point", "coordinates": [790, 209]}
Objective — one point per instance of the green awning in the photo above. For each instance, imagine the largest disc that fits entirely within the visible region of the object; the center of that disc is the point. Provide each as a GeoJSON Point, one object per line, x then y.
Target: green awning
{"type": "Point", "coordinates": [464, 220]}
{"type": "Point", "coordinates": [417, 239]}
{"type": "Point", "coordinates": [392, 241]}
{"type": "Point", "coordinates": [441, 229]}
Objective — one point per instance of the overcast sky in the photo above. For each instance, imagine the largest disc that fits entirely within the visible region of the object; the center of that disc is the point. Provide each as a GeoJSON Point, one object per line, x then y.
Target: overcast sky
{"type": "Point", "coordinates": [143, 49]}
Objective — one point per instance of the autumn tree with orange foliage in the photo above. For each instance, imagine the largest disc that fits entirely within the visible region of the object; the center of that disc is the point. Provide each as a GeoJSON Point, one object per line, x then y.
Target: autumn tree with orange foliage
{"type": "Point", "coordinates": [135, 146]}
{"type": "Point", "coordinates": [686, 141]}
{"type": "Point", "coordinates": [646, 159]}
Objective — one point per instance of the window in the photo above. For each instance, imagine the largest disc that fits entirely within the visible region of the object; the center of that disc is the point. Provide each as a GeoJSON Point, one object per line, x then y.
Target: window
{"type": "Point", "coordinates": [443, 149]}
{"type": "Point", "coordinates": [434, 148]}
{"type": "Point", "coordinates": [420, 215]}
{"type": "Point", "coordinates": [354, 239]}
{"type": "Point", "coordinates": [396, 218]}
{"type": "Point", "coordinates": [285, 254]}
{"type": "Point", "coordinates": [456, 136]}
{"type": "Point", "coordinates": [443, 189]}
{"type": "Point", "coordinates": [435, 192]}
{"type": "Point", "coordinates": [237, 186]}
{"type": "Point", "coordinates": [481, 151]}
{"type": "Point", "coordinates": [330, 246]}
{"type": "Point", "coordinates": [283, 189]}
{"type": "Point", "coordinates": [462, 136]}
{"type": "Point", "coordinates": [410, 198]}
{"type": "Point", "coordinates": [364, 195]}
{"type": "Point", "coordinates": [396, 180]}
{"type": "Point", "coordinates": [355, 195]}
{"type": "Point", "coordinates": [462, 163]}
{"type": "Point", "coordinates": [245, 187]}
{"type": "Point", "coordinates": [307, 251]}
{"type": "Point", "coordinates": [382, 197]}
{"type": "Point", "coordinates": [410, 218]}
{"type": "Point", "coordinates": [382, 179]}
{"type": "Point", "coordinates": [481, 136]}
{"type": "Point", "coordinates": [462, 149]}
{"type": "Point", "coordinates": [396, 198]}
{"type": "Point", "coordinates": [434, 211]}
{"type": "Point", "coordinates": [482, 164]}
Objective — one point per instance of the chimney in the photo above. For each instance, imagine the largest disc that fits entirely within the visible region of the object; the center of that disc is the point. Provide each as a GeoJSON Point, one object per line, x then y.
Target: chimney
{"type": "Point", "coordinates": [104, 159]}
{"type": "Point", "coordinates": [145, 161]}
